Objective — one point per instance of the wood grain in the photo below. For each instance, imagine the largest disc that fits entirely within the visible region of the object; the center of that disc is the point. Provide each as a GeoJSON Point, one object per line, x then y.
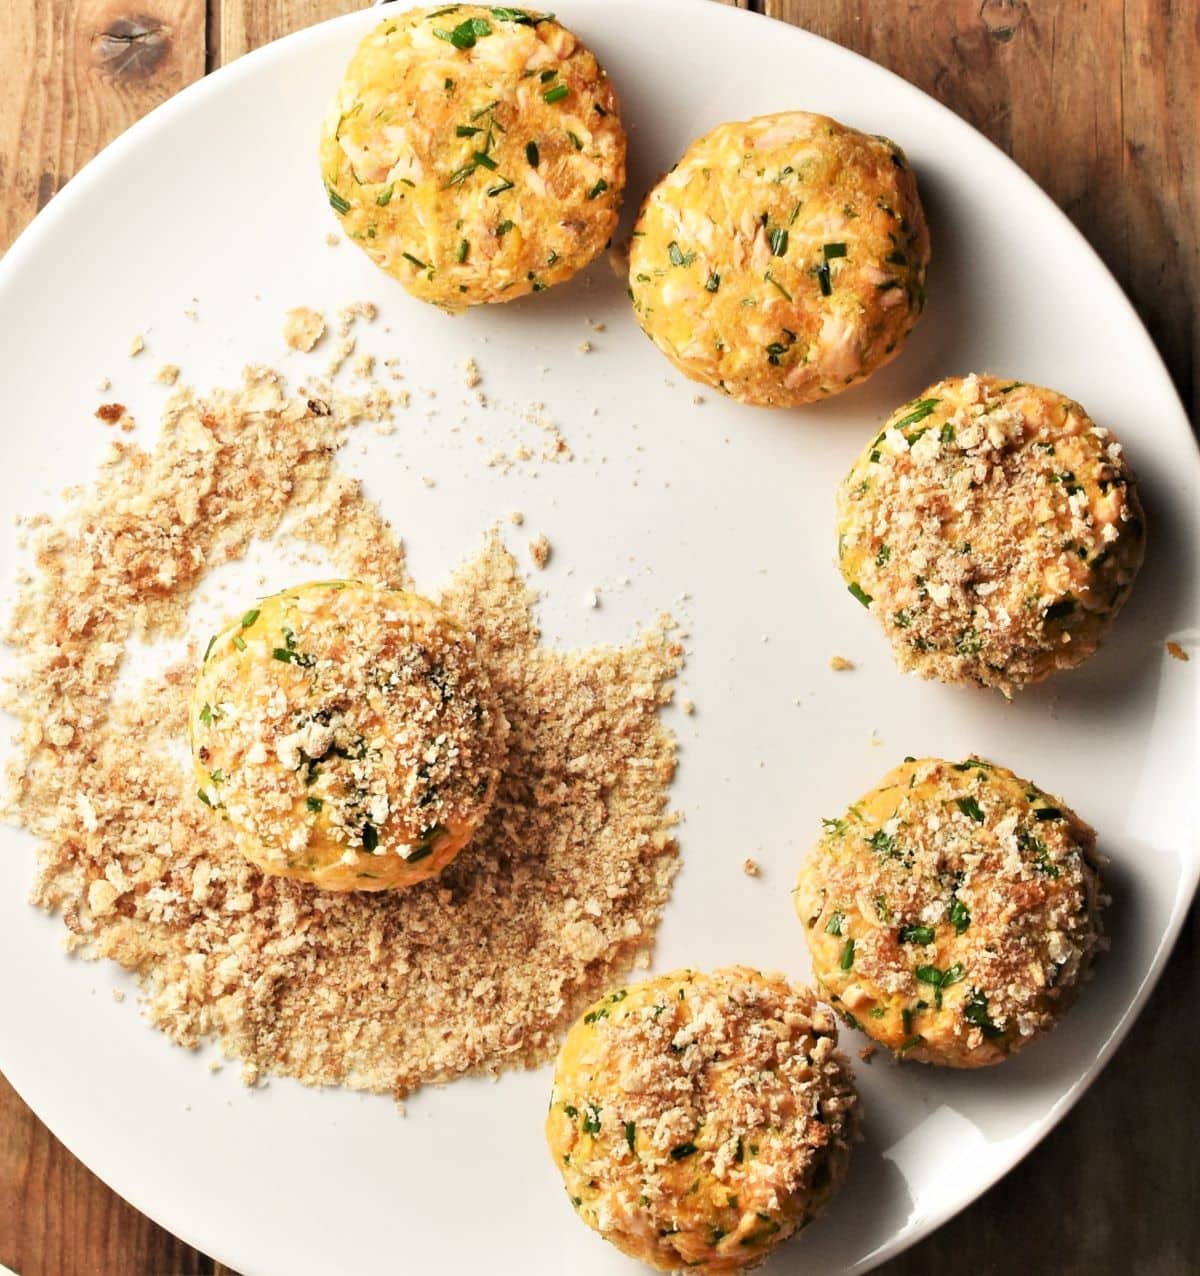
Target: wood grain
{"type": "Point", "coordinates": [74, 74]}
{"type": "Point", "coordinates": [1096, 99]}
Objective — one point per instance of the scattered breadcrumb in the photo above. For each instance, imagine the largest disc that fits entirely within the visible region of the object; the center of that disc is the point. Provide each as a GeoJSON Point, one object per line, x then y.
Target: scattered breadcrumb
{"type": "Point", "coordinates": [471, 374]}
{"type": "Point", "coordinates": [367, 311]}
{"type": "Point", "coordinates": [697, 399]}
{"type": "Point", "coordinates": [332, 240]}
{"type": "Point", "coordinates": [585, 347]}
{"type": "Point", "coordinates": [302, 328]}
{"type": "Point", "coordinates": [104, 384]}
{"type": "Point", "coordinates": [516, 518]}
{"type": "Point", "coordinates": [484, 967]}
{"type": "Point", "coordinates": [428, 480]}
{"type": "Point", "coordinates": [838, 663]}
{"type": "Point", "coordinates": [1177, 651]}
{"type": "Point", "coordinates": [689, 707]}
{"type": "Point", "coordinates": [137, 345]}
{"type": "Point", "coordinates": [539, 551]}
{"type": "Point", "coordinates": [118, 994]}
{"type": "Point", "coordinates": [115, 414]}
{"type": "Point", "coordinates": [867, 1053]}
{"type": "Point", "coordinates": [364, 366]}
{"type": "Point", "coordinates": [168, 374]}
{"type": "Point", "coordinates": [751, 867]}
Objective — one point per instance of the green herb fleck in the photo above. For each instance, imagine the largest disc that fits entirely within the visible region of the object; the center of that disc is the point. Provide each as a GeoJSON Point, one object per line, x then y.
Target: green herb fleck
{"type": "Point", "coordinates": [916, 934]}
{"type": "Point", "coordinates": [778, 239]}
{"type": "Point", "coordinates": [834, 925]}
{"type": "Point", "coordinates": [385, 196]}
{"type": "Point", "coordinates": [919, 412]}
{"type": "Point", "coordinates": [250, 617]}
{"type": "Point", "coordinates": [531, 154]}
{"type": "Point", "coordinates": [591, 1119]}
{"type": "Point", "coordinates": [313, 803]}
{"type": "Point", "coordinates": [600, 187]}
{"type": "Point", "coordinates": [681, 1150]}
{"type": "Point", "coordinates": [847, 954]}
{"type": "Point", "coordinates": [834, 250]}
{"type": "Point", "coordinates": [556, 94]}
{"type": "Point", "coordinates": [339, 204]}
{"type": "Point", "coordinates": [857, 590]}
{"type": "Point", "coordinates": [968, 806]}
{"type": "Point", "coordinates": [960, 917]}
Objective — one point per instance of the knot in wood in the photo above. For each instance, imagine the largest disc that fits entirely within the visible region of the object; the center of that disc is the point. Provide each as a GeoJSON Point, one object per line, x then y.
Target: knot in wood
{"type": "Point", "coordinates": [131, 48]}
{"type": "Point", "coordinates": [1002, 18]}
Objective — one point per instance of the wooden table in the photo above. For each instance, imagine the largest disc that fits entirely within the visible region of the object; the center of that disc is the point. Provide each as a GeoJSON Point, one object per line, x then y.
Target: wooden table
{"type": "Point", "coordinates": [1096, 99]}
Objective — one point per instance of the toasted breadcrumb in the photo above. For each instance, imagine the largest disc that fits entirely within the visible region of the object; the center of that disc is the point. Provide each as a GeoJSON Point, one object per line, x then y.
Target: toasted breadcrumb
{"type": "Point", "coordinates": [168, 374]}
{"type": "Point", "coordinates": [516, 518]}
{"type": "Point", "coordinates": [302, 328]}
{"type": "Point", "coordinates": [539, 551]}
{"type": "Point", "coordinates": [471, 374]}
{"type": "Point", "coordinates": [137, 345]}
{"type": "Point", "coordinates": [838, 663]}
{"type": "Point", "coordinates": [555, 898]}
{"type": "Point", "coordinates": [1174, 649]}
{"type": "Point", "coordinates": [751, 867]}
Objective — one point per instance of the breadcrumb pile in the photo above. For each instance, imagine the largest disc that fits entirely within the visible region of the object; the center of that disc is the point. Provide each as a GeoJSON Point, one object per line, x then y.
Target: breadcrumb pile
{"type": "Point", "coordinates": [481, 968]}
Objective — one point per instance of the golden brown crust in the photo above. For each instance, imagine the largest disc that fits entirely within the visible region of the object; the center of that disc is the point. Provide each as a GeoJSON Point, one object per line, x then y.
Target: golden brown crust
{"type": "Point", "coordinates": [782, 259]}
{"type": "Point", "coordinates": [475, 153]}
{"type": "Point", "coordinates": [699, 1120]}
{"type": "Point", "coordinates": [953, 911]}
{"type": "Point", "coordinates": [993, 529]}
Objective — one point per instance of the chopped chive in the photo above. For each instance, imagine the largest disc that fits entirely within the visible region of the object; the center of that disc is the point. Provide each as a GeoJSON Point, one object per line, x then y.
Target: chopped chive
{"type": "Point", "coordinates": [834, 925]}
{"type": "Point", "coordinates": [467, 130]}
{"type": "Point", "coordinates": [239, 642]}
{"type": "Point", "coordinates": [208, 649]}
{"type": "Point", "coordinates": [385, 196]}
{"type": "Point", "coordinates": [200, 793]}
{"type": "Point", "coordinates": [683, 1149]}
{"type": "Point", "coordinates": [713, 282]}
{"type": "Point", "coordinates": [503, 229]}
{"type": "Point", "coordinates": [959, 916]}
{"type": "Point", "coordinates": [823, 279]}
{"type": "Point", "coordinates": [531, 154]}
{"type": "Point", "coordinates": [778, 239]}
{"type": "Point", "coordinates": [919, 412]}
{"type": "Point", "coordinates": [416, 261]}
{"type": "Point", "coordinates": [968, 806]}
{"type": "Point", "coordinates": [1048, 813]}
{"type": "Point", "coordinates": [313, 803]}
{"type": "Point", "coordinates": [857, 590]}
{"type": "Point", "coordinates": [848, 955]}
{"type": "Point", "coordinates": [480, 157]}
{"type": "Point", "coordinates": [916, 934]}
{"type": "Point", "coordinates": [770, 278]}
{"type": "Point", "coordinates": [463, 248]}
{"type": "Point", "coordinates": [206, 714]}
{"type": "Point", "coordinates": [630, 1134]}
{"type": "Point", "coordinates": [250, 617]}
{"type": "Point", "coordinates": [370, 838]}
{"type": "Point", "coordinates": [834, 250]}
{"type": "Point", "coordinates": [339, 204]}
{"type": "Point", "coordinates": [503, 185]}
{"type": "Point", "coordinates": [678, 256]}
{"type": "Point", "coordinates": [575, 140]}
{"type": "Point", "coordinates": [556, 94]}
{"type": "Point", "coordinates": [600, 187]}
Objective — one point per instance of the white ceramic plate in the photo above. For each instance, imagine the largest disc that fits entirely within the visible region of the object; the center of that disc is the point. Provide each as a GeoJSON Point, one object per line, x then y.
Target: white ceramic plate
{"type": "Point", "coordinates": [216, 196]}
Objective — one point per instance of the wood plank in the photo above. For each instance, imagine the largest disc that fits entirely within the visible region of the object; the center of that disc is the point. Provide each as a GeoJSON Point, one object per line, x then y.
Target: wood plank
{"type": "Point", "coordinates": [75, 74]}
{"type": "Point", "coordinates": [246, 24]}
{"type": "Point", "coordinates": [1095, 99]}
